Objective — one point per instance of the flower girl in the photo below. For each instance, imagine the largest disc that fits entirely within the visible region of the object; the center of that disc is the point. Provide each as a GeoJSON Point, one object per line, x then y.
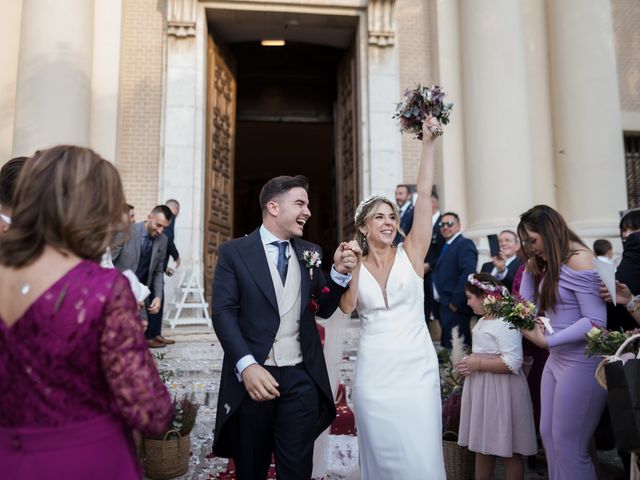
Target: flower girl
{"type": "Point", "coordinates": [496, 418]}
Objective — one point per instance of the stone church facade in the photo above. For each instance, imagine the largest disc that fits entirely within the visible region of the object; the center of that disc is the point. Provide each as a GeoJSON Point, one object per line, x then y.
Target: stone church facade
{"type": "Point", "coordinates": [182, 97]}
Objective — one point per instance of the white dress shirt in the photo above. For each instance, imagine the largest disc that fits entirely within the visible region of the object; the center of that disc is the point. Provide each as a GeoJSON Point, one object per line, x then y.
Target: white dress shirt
{"type": "Point", "coordinates": [404, 208]}
{"type": "Point", "coordinates": [435, 218]}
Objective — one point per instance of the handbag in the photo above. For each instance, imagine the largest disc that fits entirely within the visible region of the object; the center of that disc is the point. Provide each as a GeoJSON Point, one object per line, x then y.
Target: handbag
{"type": "Point", "coordinates": [623, 397]}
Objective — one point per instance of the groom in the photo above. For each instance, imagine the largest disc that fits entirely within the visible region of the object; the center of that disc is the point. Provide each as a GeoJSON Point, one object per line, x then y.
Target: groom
{"type": "Point", "coordinates": [274, 395]}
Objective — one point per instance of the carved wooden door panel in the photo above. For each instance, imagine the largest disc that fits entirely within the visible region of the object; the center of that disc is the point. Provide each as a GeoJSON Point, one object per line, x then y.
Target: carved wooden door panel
{"type": "Point", "coordinates": [346, 135]}
{"type": "Point", "coordinates": [219, 161]}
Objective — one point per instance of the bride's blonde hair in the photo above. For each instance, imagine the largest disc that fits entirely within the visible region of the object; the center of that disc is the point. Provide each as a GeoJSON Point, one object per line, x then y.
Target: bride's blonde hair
{"type": "Point", "coordinates": [365, 212]}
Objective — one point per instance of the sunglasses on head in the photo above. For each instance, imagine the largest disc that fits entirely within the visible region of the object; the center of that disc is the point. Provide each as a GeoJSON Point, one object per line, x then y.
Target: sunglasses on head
{"type": "Point", "coordinates": [446, 224]}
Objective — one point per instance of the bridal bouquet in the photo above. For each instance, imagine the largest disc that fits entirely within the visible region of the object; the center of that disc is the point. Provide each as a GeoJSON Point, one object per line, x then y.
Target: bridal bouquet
{"type": "Point", "coordinates": [602, 342]}
{"type": "Point", "coordinates": [520, 314]}
{"type": "Point", "coordinates": [419, 104]}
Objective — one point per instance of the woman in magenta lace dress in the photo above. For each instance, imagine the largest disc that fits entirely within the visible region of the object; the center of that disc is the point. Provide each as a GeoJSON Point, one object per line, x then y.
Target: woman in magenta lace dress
{"type": "Point", "coordinates": [571, 399]}
{"type": "Point", "coordinates": [75, 373]}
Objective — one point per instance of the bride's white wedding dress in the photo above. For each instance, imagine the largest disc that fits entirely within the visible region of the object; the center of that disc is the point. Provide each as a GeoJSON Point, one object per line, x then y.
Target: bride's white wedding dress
{"type": "Point", "coordinates": [396, 388]}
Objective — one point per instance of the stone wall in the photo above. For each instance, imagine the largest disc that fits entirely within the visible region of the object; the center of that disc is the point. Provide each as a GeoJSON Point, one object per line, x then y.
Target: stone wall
{"type": "Point", "coordinates": [140, 111]}
{"type": "Point", "coordinates": [626, 19]}
{"type": "Point", "coordinates": [415, 39]}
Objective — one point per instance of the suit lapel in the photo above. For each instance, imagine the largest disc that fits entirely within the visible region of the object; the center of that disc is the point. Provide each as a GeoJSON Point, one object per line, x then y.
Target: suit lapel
{"type": "Point", "coordinates": [305, 278]}
{"type": "Point", "coordinates": [256, 260]}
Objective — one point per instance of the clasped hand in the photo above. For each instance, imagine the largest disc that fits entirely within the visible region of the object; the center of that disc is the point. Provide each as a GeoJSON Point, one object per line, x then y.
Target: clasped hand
{"type": "Point", "coordinates": [347, 257]}
{"type": "Point", "coordinates": [467, 365]}
{"type": "Point", "coordinates": [259, 383]}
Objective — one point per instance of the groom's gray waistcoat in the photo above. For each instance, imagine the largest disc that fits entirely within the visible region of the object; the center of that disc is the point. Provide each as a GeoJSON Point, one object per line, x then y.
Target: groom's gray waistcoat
{"type": "Point", "coordinates": [286, 346]}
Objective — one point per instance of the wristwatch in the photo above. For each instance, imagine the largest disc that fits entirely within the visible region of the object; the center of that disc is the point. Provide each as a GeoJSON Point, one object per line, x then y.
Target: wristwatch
{"type": "Point", "coordinates": [634, 304]}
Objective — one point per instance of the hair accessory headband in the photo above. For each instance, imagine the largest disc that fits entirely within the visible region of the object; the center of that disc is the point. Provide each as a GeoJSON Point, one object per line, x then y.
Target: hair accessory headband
{"type": "Point", "coordinates": [364, 203]}
{"type": "Point", "coordinates": [487, 287]}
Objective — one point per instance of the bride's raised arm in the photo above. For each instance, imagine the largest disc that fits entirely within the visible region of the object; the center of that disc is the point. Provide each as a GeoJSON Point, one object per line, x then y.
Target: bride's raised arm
{"type": "Point", "coordinates": [419, 238]}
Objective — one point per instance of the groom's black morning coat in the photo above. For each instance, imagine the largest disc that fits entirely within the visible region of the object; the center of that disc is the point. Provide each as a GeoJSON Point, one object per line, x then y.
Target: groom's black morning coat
{"type": "Point", "coordinates": [246, 320]}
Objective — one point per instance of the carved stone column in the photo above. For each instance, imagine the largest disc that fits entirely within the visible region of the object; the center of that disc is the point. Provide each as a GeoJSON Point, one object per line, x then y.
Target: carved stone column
{"type": "Point", "coordinates": [382, 28]}
{"type": "Point", "coordinates": [181, 174]}
{"type": "Point", "coordinates": [384, 92]}
{"type": "Point", "coordinates": [496, 116]}
{"type": "Point", "coordinates": [587, 125]}
{"type": "Point", "coordinates": [53, 95]}
{"type": "Point", "coordinates": [181, 17]}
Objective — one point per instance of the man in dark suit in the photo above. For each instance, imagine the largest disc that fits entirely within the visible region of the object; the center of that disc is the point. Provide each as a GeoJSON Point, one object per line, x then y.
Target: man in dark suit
{"type": "Point", "coordinates": [504, 266]}
{"type": "Point", "coordinates": [143, 253]}
{"type": "Point", "coordinates": [155, 319]}
{"type": "Point", "coordinates": [437, 241]}
{"type": "Point", "coordinates": [274, 395]}
{"type": "Point", "coordinates": [628, 272]}
{"type": "Point", "coordinates": [172, 250]}
{"type": "Point", "coordinates": [458, 258]}
{"type": "Point", "coordinates": [405, 206]}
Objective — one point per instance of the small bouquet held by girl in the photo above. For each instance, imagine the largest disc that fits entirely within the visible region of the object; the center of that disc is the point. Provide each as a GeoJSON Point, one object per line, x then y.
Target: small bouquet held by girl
{"type": "Point", "coordinates": [519, 314]}
{"type": "Point", "coordinates": [496, 416]}
{"type": "Point", "coordinates": [419, 104]}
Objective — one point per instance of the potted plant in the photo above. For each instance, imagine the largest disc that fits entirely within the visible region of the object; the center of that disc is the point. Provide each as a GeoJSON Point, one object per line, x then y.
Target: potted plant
{"type": "Point", "coordinates": [167, 456]}
{"type": "Point", "coordinates": [458, 461]}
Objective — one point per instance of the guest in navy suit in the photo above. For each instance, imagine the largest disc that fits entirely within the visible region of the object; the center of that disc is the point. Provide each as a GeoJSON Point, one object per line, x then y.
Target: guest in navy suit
{"type": "Point", "coordinates": [437, 241]}
{"type": "Point", "coordinates": [458, 258]}
{"type": "Point", "coordinates": [405, 206]}
{"type": "Point", "coordinates": [268, 287]}
{"type": "Point", "coordinates": [504, 266]}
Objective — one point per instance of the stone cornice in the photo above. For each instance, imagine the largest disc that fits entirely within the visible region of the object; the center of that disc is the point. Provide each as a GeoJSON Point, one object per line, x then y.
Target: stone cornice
{"type": "Point", "coordinates": [181, 18]}
{"type": "Point", "coordinates": [382, 28]}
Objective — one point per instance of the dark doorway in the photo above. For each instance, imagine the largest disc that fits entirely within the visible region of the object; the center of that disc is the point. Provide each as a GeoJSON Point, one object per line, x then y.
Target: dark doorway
{"type": "Point", "coordinates": [285, 126]}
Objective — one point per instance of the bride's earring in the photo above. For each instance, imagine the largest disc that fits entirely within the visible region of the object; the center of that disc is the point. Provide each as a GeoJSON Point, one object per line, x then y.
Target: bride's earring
{"type": "Point", "coordinates": [362, 240]}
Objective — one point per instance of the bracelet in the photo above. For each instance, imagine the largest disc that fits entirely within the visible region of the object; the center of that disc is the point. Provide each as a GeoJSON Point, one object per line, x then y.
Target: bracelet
{"type": "Point", "coordinates": [479, 364]}
{"type": "Point", "coordinates": [634, 304]}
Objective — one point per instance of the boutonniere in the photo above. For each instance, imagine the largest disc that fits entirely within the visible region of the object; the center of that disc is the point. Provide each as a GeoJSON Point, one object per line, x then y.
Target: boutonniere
{"type": "Point", "coordinates": [311, 259]}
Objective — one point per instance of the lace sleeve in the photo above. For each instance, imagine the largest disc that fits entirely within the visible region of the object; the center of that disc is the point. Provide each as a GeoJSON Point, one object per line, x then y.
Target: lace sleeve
{"type": "Point", "coordinates": [139, 394]}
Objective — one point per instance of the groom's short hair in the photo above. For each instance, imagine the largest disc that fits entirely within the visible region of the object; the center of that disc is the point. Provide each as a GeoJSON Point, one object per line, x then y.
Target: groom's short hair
{"type": "Point", "coordinates": [279, 185]}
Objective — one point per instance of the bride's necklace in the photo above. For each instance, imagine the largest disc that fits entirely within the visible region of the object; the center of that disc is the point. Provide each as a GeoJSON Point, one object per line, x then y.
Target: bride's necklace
{"type": "Point", "coordinates": [24, 288]}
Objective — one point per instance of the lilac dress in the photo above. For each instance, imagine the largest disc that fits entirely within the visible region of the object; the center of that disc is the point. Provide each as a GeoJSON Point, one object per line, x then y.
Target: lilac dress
{"type": "Point", "coordinates": [76, 377]}
{"type": "Point", "coordinates": [571, 400]}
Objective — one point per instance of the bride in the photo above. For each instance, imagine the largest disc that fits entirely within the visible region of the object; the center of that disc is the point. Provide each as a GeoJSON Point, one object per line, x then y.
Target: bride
{"type": "Point", "coordinates": [396, 389]}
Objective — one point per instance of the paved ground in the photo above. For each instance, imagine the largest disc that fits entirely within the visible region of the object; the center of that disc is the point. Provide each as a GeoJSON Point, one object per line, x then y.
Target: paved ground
{"type": "Point", "coordinates": [194, 363]}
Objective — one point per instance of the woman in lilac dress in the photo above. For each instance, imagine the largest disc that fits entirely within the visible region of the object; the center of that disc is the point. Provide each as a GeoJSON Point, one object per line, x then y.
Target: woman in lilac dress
{"type": "Point", "coordinates": [75, 373]}
{"type": "Point", "coordinates": [571, 399]}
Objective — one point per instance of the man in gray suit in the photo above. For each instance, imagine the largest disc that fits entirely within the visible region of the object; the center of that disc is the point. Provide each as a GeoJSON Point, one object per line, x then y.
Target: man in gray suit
{"type": "Point", "coordinates": [144, 253]}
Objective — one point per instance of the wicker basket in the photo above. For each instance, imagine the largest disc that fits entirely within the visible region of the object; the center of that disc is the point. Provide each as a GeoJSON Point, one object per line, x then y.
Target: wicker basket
{"type": "Point", "coordinates": [167, 458]}
{"type": "Point", "coordinates": [458, 461]}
